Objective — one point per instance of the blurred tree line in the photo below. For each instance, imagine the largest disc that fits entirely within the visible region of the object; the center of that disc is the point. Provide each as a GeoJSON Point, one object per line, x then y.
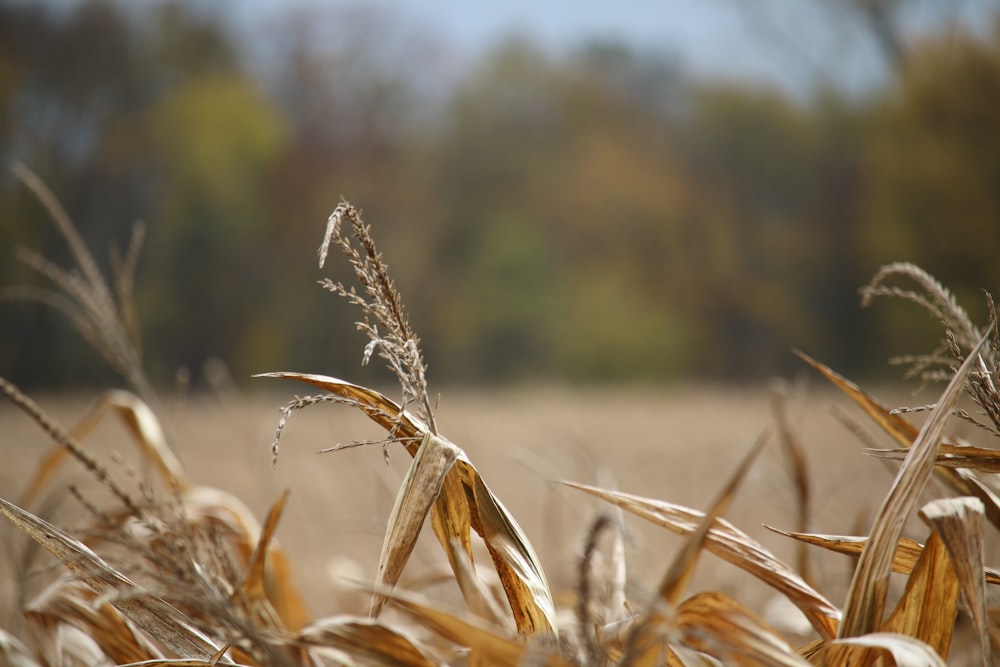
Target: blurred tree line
{"type": "Point", "coordinates": [597, 217]}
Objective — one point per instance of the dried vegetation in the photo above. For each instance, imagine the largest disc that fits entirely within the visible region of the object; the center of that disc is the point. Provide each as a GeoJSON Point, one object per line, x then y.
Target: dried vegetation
{"type": "Point", "coordinates": [186, 575]}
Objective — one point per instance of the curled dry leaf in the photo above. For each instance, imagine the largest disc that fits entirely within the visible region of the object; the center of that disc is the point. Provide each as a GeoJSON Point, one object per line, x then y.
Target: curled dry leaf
{"type": "Point", "coordinates": [464, 503]}
{"type": "Point", "coordinates": [734, 546]}
{"type": "Point", "coordinates": [486, 645]}
{"type": "Point", "coordinates": [161, 620]}
{"type": "Point", "coordinates": [905, 651]}
{"type": "Point", "coordinates": [866, 597]}
{"type": "Point", "coordinates": [959, 522]}
{"type": "Point", "coordinates": [982, 459]}
{"type": "Point", "coordinates": [141, 424]}
{"type": "Point", "coordinates": [929, 604]}
{"type": "Point", "coordinates": [366, 641]}
{"type": "Point", "coordinates": [904, 433]}
{"type": "Point", "coordinates": [70, 601]}
{"type": "Point", "coordinates": [907, 550]}
{"type": "Point", "coordinates": [420, 488]}
{"type": "Point", "coordinates": [716, 625]}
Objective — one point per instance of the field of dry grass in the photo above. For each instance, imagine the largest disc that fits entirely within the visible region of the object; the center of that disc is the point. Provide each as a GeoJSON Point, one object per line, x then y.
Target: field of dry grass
{"type": "Point", "coordinates": [677, 444]}
{"type": "Point", "coordinates": [172, 564]}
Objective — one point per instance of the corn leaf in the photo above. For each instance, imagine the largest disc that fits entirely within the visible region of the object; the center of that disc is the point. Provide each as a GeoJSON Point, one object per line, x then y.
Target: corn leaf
{"type": "Point", "coordinates": [959, 522]}
{"type": "Point", "coordinates": [139, 421]}
{"type": "Point", "coordinates": [421, 486]}
{"type": "Point", "coordinates": [905, 651]}
{"type": "Point", "coordinates": [368, 641]}
{"type": "Point", "coordinates": [159, 619]}
{"type": "Point", "coordinates": [907, 550]}
{"type": "Point", "coordinates": [734, 546]}
{"type": "Point", "coordinates": [513, 557]}
{"type": "Point", "coordinates": [866, 597]}
{"type": "Point", "coordinates": [716, 625]}
{"type": "Point", "coordinates": [929, 605]}
{"type": "Point", "coordinates": [903, 432]}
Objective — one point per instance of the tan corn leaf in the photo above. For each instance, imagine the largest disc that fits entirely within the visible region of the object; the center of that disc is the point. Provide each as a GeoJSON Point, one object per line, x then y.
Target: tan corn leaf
{"type": "Point", "coordinates": [929, 605]}
{"type": "Point", "coordinates": [159, 619]}
{"type": "Point", "coordinates": [716, 625]}
{"type": "Point", "coordinates": [14, 653]}
{"type": "Point", "coordinates": [69, 600]}
{"type": "Point", "coordinates": [962, 481]}
{"type": "Point", "coordinates": [367, 641]}
{"type": "Point", "coordinates": [141, 424]}
{"type": "Point", "coordinates": [224, 514]}
{"type": "Point", "coordinates": [866, 597]}
{"type": "Point", "coordinates": [383, 411]}
{"type": "Point", "coordinates": [905, 651]}
{"type": "Point", "coordinates": [489, 647]}
{"type": "Point", "coordinates": [477, 596]}
{"type": "Point", "coordinates": [682, 568]}
{"type": "Point", "coordinates": [959, 522]}
{"type": "Point", "coordinates": [420, 488]}
{"type": "Point", "coordinates": [953, 456]}
{"type": "Point", "coordinates": [452, 523]}
{"type": "Point", "coordinates": [734, 546]}
{"type": "Point", "coordinates": [513, 557]}
{"type": "Point", "coordinates": [907, 550]}
{"type": "Point", "coordinates": [518, 567]}
{"type": "Point", "coordinates": [645, 633]}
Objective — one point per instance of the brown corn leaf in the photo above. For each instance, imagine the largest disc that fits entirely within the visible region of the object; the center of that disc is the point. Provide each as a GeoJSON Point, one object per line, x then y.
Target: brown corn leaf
{"type": "Point", "coordinates": [70, 601]}
{"type": "Point", "coordinates": [489, 647]}
{"type": "Point", "coordinates": [518, 567]}
{"type": "Point", "coordinates": [683, 565]}
{"type": "Point", "coordinates": [383, 411]}
{"type": "Point", "coordinates": [645, 633]}
{"type": "Point", "coordinates": [905, 651]}
{"type": "Point", "coordinates": [929, 605]}
{"type": "Point", "coordinates": [953, 456]}
{"type": "Point", "coordinates": [962, 481]}
{"type": "Point", "coordinates": [224, 514]}
{"type": "Point", "coordinates": [734, 546]}
{"type": "Point", "coordinates": [141, 424]}
{"type": "Point", "coordinates": [866, 597]}
{"type": "Point", "coordinates": [959, 522]}
{"type": "Point", "coordinates": [159, 619]}
{"type": "Point", "coordinates": [15, 653]}
{"type": "Point", "coordinates": [465, 503]}
{"type": "Point", "coordinates": [367, 641]}
{"type": "Point", "coordinates": [420, 488]}
{"type": "Point", "coordinates": [716, 625]}
{"type": "Point", "coordinates": [907, 550]}
{"type": "Point", "coordinates": [252, 594]}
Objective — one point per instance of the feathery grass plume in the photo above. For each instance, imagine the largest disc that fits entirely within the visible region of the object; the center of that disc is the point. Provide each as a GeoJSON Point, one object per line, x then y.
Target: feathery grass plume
{"type": "Point", "coordinates": [104, 317]}
{"type": "Point", "coordinates": [960, 336]}
{"type": "Point", "coordinates": [381, 304]}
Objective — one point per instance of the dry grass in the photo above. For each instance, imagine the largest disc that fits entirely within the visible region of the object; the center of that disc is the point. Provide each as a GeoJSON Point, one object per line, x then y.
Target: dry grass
{"type": "Point", "coordinates": [526, 570]}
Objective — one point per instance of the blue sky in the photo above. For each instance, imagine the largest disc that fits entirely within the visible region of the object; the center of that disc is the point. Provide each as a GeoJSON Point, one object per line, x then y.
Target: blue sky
{"type": "Point", "coordinates": [792, 44]}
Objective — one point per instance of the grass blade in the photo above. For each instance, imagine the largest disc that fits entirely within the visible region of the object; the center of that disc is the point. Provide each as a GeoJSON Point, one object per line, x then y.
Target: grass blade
{"type": "Point", "coordinates": [866, 597]}
{"type": "Point", "coordinates": [929, 605]}
{"type": "Point", "coordinates": [420, 488]}
{"type": "Point", "coordinates": [959, 522]}
{"type": "Point", "coordinates": [153, 615]}
{"type": "Point", "coordinates": [905, 651]}
{"type": "Point", "coordinates": [367, 641]}
{"type": "Point", "coordinates": [734, 546]}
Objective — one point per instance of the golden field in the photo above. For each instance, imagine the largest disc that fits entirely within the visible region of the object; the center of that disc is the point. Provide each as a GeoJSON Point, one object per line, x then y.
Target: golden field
{"type": "Point", "coordinates": [677, 444]}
